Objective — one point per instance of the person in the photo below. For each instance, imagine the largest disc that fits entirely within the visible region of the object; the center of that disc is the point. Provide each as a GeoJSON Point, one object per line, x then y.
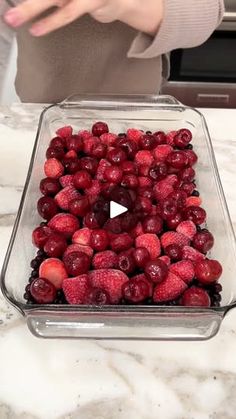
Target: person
{"type": "Point", "coordinates": [69, 47]}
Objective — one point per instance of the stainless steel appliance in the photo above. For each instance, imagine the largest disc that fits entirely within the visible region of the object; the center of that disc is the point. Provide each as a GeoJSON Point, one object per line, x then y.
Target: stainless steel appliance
{"type": "Point", "coordinates": [205, 76]}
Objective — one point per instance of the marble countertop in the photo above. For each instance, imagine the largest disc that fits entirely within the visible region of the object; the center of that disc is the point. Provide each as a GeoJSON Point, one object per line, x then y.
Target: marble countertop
{"type": "Point", "coordinates": [72, 379]}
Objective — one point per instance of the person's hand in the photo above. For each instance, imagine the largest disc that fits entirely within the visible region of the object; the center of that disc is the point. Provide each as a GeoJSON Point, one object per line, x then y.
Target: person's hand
{"type": "Point", "coordinates": [142, 15]}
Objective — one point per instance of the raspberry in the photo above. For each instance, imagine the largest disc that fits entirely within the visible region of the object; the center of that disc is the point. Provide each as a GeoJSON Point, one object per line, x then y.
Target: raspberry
{"type": "Point", "coordinates": [172, 237]}
{"type": "Point", "coordinates": [161, 152]}
{"type": "Point", "coordinates": [187, 228]}
{"type": "Point", "coordinates": [144, 157]}
{"type": "Point", "coordinates": [134, 134]}
{"type": "Point", "coordinates": [184, 269]}
{"type": "Point", "coordinates": [105, 260]}
{"type": "Point", "coordinates": [108, 139]}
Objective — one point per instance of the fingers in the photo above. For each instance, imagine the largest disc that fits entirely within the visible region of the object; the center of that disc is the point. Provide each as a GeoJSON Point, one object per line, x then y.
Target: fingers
{"type": "Point", "coordinates": [67, 14]}
{"type": "Point", "coordinates": [27, 11]}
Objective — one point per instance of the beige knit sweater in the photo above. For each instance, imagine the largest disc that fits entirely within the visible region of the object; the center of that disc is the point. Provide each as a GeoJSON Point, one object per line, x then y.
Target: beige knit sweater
{"type": "Point", "coordinates": [91, 57]}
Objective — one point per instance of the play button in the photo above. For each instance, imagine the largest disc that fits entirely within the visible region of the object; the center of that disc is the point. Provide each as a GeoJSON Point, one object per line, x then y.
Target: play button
{"type": "Point", "coordinates": [116, 209]}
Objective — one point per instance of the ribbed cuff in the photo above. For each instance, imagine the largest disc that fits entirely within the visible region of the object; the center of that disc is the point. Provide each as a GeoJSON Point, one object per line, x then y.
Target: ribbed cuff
{"type": "Point", "coordinates": [185, 24]}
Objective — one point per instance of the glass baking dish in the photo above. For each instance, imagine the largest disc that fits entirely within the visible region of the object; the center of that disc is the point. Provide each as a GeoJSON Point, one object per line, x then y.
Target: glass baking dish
{"type": "Point", "coordinates": [122, 322]}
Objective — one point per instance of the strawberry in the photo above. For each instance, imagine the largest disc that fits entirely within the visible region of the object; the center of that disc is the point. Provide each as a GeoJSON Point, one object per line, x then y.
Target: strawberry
{"type": "Point", "coordinates": [105, 260]}
{"type": "Point", "coordinates": [108, 139]}
{"type": "Point", "coordinates": [66, 195]}
{"type": "Point", "coordinates": [193, 200]}
{"type": "Point", "coordinates": [53, 168]}
{"type": "Point", "coordinates": [66, 224]}
{"type": "Point", "coordinates": [187, 228]}
{"type": "Point", "coordinates": [94, 189]}
{"type": "Point", "coordinates": [66, 180]}
{"type": "Point", "coordinates": [189, 253]}
{"type": "Point", "coordinates": [165, 259]}
{"type": "Point", "coordinates": [65, 131]}
{"type": "Point", "coordinates": [84, 134]}
{"type": "Point", "coordinates": [170, 137]}
{"type": "Point", "coordinates": [169, 289]}
{"type": "Point", "coordinates": [184, 269]}
{"type": "Point", "coordinates": [134, 134]}
{"type": "Point", "coordinates": [144, 182]}
{"type": "Point", "coordinates": [89, 143]}
{"type": "Point", "coordinates": [54, 270]}
{"type": "Point", "coordinates": [143, 277]}
{"type": "Point", "coordinates": [82, 236]}
{"type": "Point", "coordinates": [103, 164]}
{"type": "Point", "coordinates": [78, 248]}
{"type": "Point", "coordinates": [161, 152]}
{"type": "Point", "coordinates": [171, 237]}
{"type": "Point", "coordinates": [110, 280]}
{"type": "Point", "coordinates": [144, 157]}
{"type": "Point", "coordinates": [76, 289]}
{"type": "Point", "coordinates": [71, 154]}
{"type": "Point", "coordinates": [162, 189]}
{"type": "Point", "coordinates": [150, 242]}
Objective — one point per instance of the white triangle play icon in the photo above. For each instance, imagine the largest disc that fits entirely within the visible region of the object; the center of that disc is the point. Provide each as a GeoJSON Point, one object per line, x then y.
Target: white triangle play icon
{"type": "Point", "coordinates": [116, 209]}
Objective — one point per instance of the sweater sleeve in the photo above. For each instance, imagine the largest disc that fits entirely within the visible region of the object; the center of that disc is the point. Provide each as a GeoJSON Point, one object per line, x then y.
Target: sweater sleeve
{"type": "Point", "coordinates": [185, 24]}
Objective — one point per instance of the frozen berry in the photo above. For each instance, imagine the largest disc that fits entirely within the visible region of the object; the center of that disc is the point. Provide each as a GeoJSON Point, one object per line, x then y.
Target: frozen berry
{"type": "Point", "coordinates": [55, 152]}
{"type": "Point", "coordinates": [99, 240]}
{"type": "Point", "coordinates": [49, 186]}
{"type": "Point", "coordinates": [168, 208]}
{"type": "Point", "coordinates": [141, 256]}
{"type": "Point", "coordinates": [47, 207]}
{"type": "Point", "coordinates": [58, 142]}
{"type": "Point", "coordinates": [71, 164]}
{"type": "Point", "coordinates": [126, 262]}
{"type": "Point", "coordinates": [130, 181]}
{"type": "Point", "coordinates": [99, 128]}
{"type": "Point", "coordinates": [129, 167]}
{"type": "Point", "coordinates": [42, 291]}
{"type": "Point", "coordinates": [203, 241]}
{"type": "Point", "coordinates": [195, 214]}
{"type": "Point", "coordinates": [208, 271]}
{"type": "Point", "coordinates": [160, 137]}
{"type": "Point", "coordinates": [174, 251]}
{"type": "Point", "coordinates": [76, 263]}
{"type": "Point", "coordinates": [152, 224]}
{"type": "Point", "coordinates": [55, 245]}
{"type": "Point", "coordinates": [148, 142]}
{"type": "Point", "coordinates": [82, 179]}
{"type": "Point", "coordinates": [173, 222]}
{"type": "Point", "coordinates": [196, 297]}
{"type": "Point", "coordinates": [182, 138]}
{"type": "Point", "coordinates": [187, 175]}
{"type": "Point", "coordinates": [135, 290]}
{"type": "Point", "coordinates": [40, 235]}
{"type": "Point", "coordinates": [177, 159]}
{"type": "Point", "coordinates": [128, 146]}
{"type": "Point", "coordinates": [97, 297]}
{"type": "Point", "coordinates": [79, 206]}
{"type": "Point", "coordinates": [156, 270]}
{"type": "Point", "coordinates": [158, 172]}
{"type": "Point", "coordinates": [98, 150]}
{"type": "Point", "coordinates": [75, 142]}
{"type": "Point", "coordinates": [113, 174]}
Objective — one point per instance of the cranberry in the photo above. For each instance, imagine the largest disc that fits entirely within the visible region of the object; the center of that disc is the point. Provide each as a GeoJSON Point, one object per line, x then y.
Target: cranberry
{"type": "Point", "coordinates": [143, 206]}
{"type": "Point", "coordinates": [177, 159]}
{"type": "Point", "coordinates": [116, 156]}
{"type": "Point", "coordinates": [160, 137]}
{"type": "Point", "coordinates": [196, 297]}
{"type": "Point", "coordinates": [55, 152]}
{"type": "Point", "coordinates": [76, 263]}
{"type": "Point", "coordinates": [58, 142]}
{"type": "Point", "coordinates": [128, 146]}
{"type": "Point", "coordinates": [113, 174]}
{"type": "Point", "coordinates": [94, 220]}
{"type": "Point", "coordinates": [158, 172]}
{"type": "Point", "coordinates": [188, 187]}
{"type": "Point", "coordinates": [79, 206]}
{"type": "Point", "coordinates": [99, 128]}
{"type": "Point", "coordinates": [156, 270]}
{"type": "Point", "coordinates": [195, 214]}
{"type": "Point", "coordinates": [187, 175]}
{"type": "Point", "coordinates": [55, 245]}
{"type": "Point", "coordinates": [135, 290]}
{"type": "Point", "coordinates": [130, 181]}
{"type": "Point", "coordinates": [98, 297]}
{"type": "Point", "coordinates": [75, 143]}
{"type": "Point", "coordinates": [208, 271]}
{"type": "Point", "coordinates": [173, 222]}
{"type": "Point", "coordinates": [42, 291]}
{"type": "Point", "coordinates": [40, 236]}
{"type": "Point", "coordinates": [129, 167]}
{"type": "Point", "coordinates": [168, 208]}
{"type": "Point", "coordinates": [82, 179]}
{"type": "Point", "coordinates": [90, 164]}
{"type": "Point", "coordinates": [148, 142]}
{"type": "Point", "coordinates": [99, 150]}
{"type": "Point", "coordinates": [182, 138]}
{"type": "Point", "coordinates": [71, 164]}
{"type": "Point", "coordinates": [179, 197]}
{"type": "Point", "coordinates": [126, 262]}
{"type": "Point", "coordinates": [146, 192]}
{"type": "Point", "coordinates": [174, 252]}
{"type": "Point", "coordinates": [99, 240]}
{"type": "Point", "coordinates": [141, 256]}
{"type": "Point", "coordinates": [152, 224]}
{"type": "Point", "coordinates": [203, 241]}
{"type": "Point", "coordinates": [47, 207]}
{"type": "Point", "coordinates": [49, 186]}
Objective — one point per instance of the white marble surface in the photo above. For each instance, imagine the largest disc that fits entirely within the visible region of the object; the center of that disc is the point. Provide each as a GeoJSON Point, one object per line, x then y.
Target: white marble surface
{"type": "Point", "coordinates": [56, 379]}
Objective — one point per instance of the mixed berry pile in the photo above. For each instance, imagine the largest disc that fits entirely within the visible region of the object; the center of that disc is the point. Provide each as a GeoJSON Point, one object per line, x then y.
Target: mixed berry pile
{"type": "Point", "coordinates": [154, 253]}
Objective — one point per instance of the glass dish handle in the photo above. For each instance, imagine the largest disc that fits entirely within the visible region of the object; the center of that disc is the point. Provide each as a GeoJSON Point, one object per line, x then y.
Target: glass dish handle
{"type": "Point", "coordinates": [136, 99]}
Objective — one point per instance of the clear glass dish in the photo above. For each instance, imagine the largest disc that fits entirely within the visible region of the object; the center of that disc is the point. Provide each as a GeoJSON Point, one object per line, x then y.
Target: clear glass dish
{"type": "Point", "coordinates": [122, 322]}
